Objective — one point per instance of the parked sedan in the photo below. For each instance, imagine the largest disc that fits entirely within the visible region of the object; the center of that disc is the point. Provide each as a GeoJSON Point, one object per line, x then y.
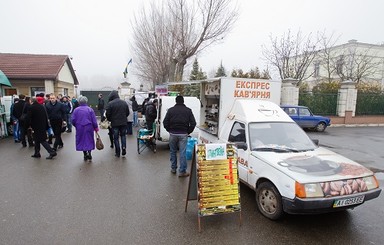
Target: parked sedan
{"type": "Point", "coordinates": [303, 116]}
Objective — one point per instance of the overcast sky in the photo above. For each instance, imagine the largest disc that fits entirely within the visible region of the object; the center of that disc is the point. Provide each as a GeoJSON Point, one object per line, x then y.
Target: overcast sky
{"type": "Point", "coordinates": [96, 32]}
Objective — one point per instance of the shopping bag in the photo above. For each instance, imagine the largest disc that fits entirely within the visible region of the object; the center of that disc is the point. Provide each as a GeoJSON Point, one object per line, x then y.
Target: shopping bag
{"type": "Point", "coordinates": [99, 143]}
{"type": "Point", "coordinates": [105, 124]}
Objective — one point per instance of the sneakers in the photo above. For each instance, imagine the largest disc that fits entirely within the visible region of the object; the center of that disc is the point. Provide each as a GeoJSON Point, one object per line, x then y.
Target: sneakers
{"type": "Point", "coordinates": [173, 171]}
{"type": "Point", "coordinates": [36, 156]}
{"type": "Point", "coordinates": [185, 174]}
{"type": "Point", "coordinates": [123, 152]}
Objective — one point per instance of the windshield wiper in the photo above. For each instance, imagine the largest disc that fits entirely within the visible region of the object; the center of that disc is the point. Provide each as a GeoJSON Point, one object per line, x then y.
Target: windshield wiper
{"type": "Point", "coordinates": [276, 149]}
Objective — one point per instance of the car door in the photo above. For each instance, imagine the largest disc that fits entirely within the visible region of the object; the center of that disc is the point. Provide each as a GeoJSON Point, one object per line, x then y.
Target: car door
{"type": "Point", "coordinates": [238, 135]}
{"type": "Point", "coordinates": [306, 118]}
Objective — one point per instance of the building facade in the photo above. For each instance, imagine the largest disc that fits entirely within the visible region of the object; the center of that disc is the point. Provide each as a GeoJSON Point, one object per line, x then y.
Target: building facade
{"type": "Point", "coordinates": [354, 61]}
{"type": "Point", "coordinates": [31, 74]}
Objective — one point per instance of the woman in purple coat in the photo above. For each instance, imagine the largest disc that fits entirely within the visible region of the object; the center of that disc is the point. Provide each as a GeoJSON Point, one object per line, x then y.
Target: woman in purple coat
{"type": "Point", "coordinates": [84, 120]}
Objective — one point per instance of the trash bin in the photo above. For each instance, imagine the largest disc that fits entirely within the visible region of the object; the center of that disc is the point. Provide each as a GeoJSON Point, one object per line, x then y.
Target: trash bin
{"type": "Point", "coordinates": [190, 145]}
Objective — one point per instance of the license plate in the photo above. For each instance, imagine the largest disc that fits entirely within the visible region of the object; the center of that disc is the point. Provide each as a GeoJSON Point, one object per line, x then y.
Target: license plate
{"type": "Point", "coordinates": [348, 201]}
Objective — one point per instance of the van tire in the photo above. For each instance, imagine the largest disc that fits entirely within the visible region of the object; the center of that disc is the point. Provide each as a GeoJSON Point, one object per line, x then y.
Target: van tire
{"type": "Point", "coordinates": [269, 201]}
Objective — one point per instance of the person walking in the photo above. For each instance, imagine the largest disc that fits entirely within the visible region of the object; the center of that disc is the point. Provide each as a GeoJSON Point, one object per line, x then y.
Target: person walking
{"type": "Point", "coordinates": [37, 118]}
{"type": "Point", "coordinates": [15, 122]}
{"type": "Point", "coordinates": [85, 122]}
{"type": "Point", "coordinates": [56, 114]}
{"type": "Point", "coordinates": [100, 107]}
{"type": "Point", "coordinates": [68, 106]}
{"type": "Point", "coordinates": [151, 113]}
{"type": "Point", "coordinates": [117, 112]}
{"type": "Point", "coordinates": [135, 109]}
{"type": "Point", "coordinates": [129, 118]}
{"type": "Point", "coordinates": [179, 122]}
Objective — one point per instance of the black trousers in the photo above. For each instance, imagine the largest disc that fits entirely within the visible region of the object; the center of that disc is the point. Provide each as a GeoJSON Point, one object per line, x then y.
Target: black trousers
{"type": "Point", "coordinates": [24, 131]}
{"type": "Point", "coordinates": [45, 145]}
{"type": "Point", "coordinates": [56, 127]}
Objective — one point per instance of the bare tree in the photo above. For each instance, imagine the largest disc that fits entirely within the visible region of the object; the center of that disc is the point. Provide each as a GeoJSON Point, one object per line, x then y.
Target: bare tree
{"type": "Point", "coordinates": [152, 44]}
{"type": "Point", "coordinates": [169, 34]}
{"type": "Point", "coordinates": [326, 58]}
{"type": "Point", "coordinates": [198, 26]}
{"type": "Point", "coordinates": [291, 55]}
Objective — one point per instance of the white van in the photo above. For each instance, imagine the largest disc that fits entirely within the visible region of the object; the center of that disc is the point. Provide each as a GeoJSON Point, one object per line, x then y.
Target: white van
{"type": "Point", "coordinates": [287, 170]}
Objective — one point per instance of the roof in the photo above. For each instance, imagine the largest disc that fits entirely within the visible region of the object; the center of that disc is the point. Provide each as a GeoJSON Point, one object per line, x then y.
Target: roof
{"type": "Point", "coordinates": [34, 66]}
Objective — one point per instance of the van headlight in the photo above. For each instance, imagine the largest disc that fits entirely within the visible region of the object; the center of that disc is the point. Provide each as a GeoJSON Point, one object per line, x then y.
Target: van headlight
{"type": "Point", "coordinates": [371, 182]}
{"type": "Point", "coordinates": [308, 190]}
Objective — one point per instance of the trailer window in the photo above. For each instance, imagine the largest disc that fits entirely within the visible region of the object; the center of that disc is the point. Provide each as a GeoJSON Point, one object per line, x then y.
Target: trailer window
{"type": "Point", "coordinates": [237, 133]}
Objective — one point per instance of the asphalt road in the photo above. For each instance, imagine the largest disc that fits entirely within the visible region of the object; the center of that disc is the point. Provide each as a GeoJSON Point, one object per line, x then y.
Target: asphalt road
{"type": "Point", "coordinates": [136, 200]}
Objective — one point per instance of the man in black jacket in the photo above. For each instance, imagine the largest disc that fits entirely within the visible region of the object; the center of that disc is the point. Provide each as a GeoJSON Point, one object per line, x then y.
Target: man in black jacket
{"type": "Point", "coordinates": [179, 122]}
{"type": "Point", "coordinates": [18, 110]}
{"type": "Point", "coordinates": [37, 119]}
{"type": "Point", "coordinates": [151, 113]}
{"type": "Point", "coordinates": [117, 111]}
{"type": "Point", "coordinates": [57, 115]}
{"type": "Point", "coordinates": [100, 107]}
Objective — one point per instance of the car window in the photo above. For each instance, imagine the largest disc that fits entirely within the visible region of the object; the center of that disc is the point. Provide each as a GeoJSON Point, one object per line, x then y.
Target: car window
{"type": "Point", "coordinates": [290, 111]}
{"type": "Point", "coordinates": [237, 133]}
{"type": "Point", "coordinates": [304, 112]}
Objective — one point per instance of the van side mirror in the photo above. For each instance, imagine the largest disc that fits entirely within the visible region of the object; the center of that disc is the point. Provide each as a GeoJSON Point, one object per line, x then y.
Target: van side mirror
{"type": "Point", "coordinates": [316, 141]}
{"type": "Point", "coordinates": [241, 145]}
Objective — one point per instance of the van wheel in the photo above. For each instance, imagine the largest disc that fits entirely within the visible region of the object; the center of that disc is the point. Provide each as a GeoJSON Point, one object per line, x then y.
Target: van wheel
{"type": "Point", "coordinates": [268, 201]}
{"type": "Point", "coordinates": [320, 127]}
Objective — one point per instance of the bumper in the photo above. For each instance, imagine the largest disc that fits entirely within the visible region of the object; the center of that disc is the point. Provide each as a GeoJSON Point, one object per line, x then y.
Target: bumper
{"type": "Point", "coordinates": [322, 205]}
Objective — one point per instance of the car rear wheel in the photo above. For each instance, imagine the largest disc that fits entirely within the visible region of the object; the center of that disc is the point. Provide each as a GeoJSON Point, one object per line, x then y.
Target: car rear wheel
{"type": "Point", "coordinates": [320, 127]}
{"type": "Point", "coordinates": [269, 201]}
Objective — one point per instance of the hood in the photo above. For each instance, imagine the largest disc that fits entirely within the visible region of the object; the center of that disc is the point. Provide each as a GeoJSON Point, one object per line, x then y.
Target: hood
{"type": "Point", "coordinates": [314, 166]}
{"type": "Point", "coordinates": [113, 95]}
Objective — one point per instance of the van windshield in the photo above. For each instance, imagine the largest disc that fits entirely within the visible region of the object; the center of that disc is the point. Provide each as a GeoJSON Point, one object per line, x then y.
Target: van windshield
{"type": "Point", "coordinates": [279, 137]}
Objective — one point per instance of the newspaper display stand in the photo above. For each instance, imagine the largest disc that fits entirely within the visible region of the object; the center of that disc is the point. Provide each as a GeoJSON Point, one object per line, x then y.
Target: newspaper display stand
{"type": "Point", "coordinates": [214, 180]}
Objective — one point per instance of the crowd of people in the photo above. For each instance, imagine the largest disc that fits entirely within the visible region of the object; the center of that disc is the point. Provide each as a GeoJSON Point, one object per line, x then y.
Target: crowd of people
{"type": "Point", "coordinates": [40, 119]}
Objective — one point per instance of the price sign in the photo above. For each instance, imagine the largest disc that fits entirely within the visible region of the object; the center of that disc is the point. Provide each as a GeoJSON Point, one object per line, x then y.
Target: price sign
{"type": "Point", "coordinates": [217, 179]}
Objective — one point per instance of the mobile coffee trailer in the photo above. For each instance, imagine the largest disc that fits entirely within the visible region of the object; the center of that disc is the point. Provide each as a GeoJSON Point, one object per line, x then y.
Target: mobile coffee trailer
{"type": "Point", "coordinates": [218, 95]}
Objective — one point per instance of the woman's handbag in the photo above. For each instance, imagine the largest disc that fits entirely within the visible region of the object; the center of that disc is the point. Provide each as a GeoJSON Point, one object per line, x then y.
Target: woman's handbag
{"type": "Point", "coordinates": [99, 143]}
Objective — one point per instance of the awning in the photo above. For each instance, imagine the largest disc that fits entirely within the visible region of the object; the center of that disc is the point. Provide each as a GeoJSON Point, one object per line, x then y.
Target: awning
{"type": "Point", "coordinates": [4, 80]}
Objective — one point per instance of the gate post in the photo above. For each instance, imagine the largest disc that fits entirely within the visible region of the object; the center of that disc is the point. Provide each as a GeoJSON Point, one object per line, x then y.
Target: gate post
{"type": "Point", "coordinates": [346, 99]}
{"type": "Point", "coordinates": [289, 92]}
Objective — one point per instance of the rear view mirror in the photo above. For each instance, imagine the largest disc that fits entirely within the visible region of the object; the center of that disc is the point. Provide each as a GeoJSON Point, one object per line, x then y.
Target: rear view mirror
{"type": "Point", "coordinates": [241, 145]}
{"type": "Point", "coordinates": [316, 141]}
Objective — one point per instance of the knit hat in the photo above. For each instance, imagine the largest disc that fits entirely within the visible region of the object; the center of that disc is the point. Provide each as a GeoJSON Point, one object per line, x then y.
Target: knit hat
{"type": "Point", "coordinates": [83, 100]}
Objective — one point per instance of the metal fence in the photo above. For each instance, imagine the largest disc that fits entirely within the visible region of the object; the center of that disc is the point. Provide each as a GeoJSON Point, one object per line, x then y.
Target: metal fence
{"type": "Point", "coordinates": [370, 104]}
{"type": "Point", "coordinates": [319, 103]}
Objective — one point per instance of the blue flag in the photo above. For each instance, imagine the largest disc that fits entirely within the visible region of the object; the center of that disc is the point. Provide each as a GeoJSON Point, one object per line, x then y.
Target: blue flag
{"type": "Point", "coordinates": [126, 68]}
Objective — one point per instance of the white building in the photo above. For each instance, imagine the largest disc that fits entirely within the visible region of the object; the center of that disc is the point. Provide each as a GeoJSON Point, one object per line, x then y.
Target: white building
{"type": "Point", "coordinates": [355, 61]}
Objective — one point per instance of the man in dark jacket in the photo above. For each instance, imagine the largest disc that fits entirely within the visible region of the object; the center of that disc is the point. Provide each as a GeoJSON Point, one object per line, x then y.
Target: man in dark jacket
{"type": "Point", "coordinates": [56, 114]}
{"type": "Point", "coordinates": [18, 110]}
{"type": "Point", "coordinates": [117, 111]}
{"type": "Point", "coordinates": [135, 109]}
{"type": "Point", "coordinates": [179, 122]}
{"type": "Point", "coordinates": [100, 107]}
{"type": "Point", "coordinates": [37, 119]}
{"type": "Point", "coordinates": [151, 113]}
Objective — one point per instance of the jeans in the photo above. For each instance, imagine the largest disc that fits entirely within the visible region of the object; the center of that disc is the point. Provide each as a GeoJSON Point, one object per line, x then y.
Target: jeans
{"type": "Point", "coordinates": [69, 121]}
{"type": "Point", "coordinates": [16, 131]}
{"type": "Point", "coordinates": [178, 141]}
{"type": "Point", "coordinates": [120, 131]}
{"type": "Point", "coordinates": [135, 123]}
